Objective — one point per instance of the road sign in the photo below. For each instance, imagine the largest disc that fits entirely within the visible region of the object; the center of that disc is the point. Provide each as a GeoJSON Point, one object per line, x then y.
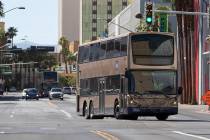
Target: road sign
{"type": "Point", "coordinates": [206, 98]}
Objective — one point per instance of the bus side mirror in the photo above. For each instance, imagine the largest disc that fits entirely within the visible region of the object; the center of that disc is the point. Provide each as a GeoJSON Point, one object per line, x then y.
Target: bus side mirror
{"type": "Point", "coordinates": [180, 90]}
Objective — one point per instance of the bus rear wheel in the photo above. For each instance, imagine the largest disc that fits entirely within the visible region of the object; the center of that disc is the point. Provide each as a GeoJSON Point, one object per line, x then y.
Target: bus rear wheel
{"type": "Point", "coordinates": [86, 112]}
{"type": "Point", "coordinates": [162, 117]}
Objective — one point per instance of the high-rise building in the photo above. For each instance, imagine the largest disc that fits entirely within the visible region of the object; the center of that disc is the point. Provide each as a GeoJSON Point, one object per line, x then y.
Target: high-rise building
{"type": "Point", "coordinates": [68, 19]}
{"type": "Point", "coordinates": [94, 16]}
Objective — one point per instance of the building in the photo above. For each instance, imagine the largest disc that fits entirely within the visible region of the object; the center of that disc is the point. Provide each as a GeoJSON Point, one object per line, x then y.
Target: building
{"type": "Point", "coordinates": [94, 16]}
{"type": "Point", "coordinates": [68, 19]}
{"type": "Point", "coordinates": [73, 46]}
{"type": "Point", "coordinates": [2, 26]}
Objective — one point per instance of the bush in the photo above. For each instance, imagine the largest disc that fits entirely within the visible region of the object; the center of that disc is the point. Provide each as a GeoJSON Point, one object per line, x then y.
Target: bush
{"type": "Point", "coordinates": [67, 80]}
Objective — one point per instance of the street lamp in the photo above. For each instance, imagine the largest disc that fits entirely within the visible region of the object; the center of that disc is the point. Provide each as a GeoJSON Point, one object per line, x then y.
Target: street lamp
{"type": "Point", "coordinates": [114, 24]}
{"type": "Point", "coordinates": [21, 8]}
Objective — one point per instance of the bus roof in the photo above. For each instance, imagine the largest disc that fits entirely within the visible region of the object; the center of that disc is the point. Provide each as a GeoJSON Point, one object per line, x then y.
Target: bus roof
{"type": "Point", "coordinates": [123, 35]}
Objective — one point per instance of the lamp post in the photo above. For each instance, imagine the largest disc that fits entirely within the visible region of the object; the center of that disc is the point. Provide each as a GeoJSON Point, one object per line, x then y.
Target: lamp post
{"type": "Point", "coordinates": [114, 24]}
{"type": "Point", "coordinates": [21, 8]}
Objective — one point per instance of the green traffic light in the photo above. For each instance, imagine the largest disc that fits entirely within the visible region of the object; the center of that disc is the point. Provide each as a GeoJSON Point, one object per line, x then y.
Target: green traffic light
{"type": "Point", "coordinates": [149, 20]}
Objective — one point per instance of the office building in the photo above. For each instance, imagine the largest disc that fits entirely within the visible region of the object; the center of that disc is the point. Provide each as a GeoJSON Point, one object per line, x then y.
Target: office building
{"type": "Point", "coordinates": [94, 16]}
{"type": "Point", "coordinates": [68, 19]}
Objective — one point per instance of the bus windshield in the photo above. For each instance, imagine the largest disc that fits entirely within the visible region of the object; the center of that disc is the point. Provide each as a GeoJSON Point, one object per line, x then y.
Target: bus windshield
{"type": "Point", "coordinates": [152, 82]}
{"type": "Point", "coordinates": [152, 49]}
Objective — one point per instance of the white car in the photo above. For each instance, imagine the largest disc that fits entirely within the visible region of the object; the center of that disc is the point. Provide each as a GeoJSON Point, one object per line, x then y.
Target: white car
{"type": "Point", "coordinates": [55, 93]}
{"type": "Point", "coordinates": [24, 93]}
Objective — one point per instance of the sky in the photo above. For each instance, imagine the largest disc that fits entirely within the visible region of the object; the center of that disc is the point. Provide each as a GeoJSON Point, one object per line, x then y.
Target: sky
{"type": "Point", "coordinates": [38, 23]}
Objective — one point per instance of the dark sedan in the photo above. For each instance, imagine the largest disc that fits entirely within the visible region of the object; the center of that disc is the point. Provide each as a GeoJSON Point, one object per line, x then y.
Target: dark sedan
{"type": "Point", "coordinates": [32, 93]}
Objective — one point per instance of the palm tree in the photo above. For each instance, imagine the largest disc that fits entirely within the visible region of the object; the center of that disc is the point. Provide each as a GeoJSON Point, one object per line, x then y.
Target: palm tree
{"type": "Point", "coordinates": [1, 9]}
{"type": "Point", "coordinates": [71, 58]}
{"type": "Point", "coordinates": [11, 33]}
{"type": "Point", "coordinates": [65, 51]}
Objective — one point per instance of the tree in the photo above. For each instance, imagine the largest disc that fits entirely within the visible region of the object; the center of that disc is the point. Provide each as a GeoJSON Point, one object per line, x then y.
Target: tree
{"type": "Point", "coordinates": [11, 33]}
{"type": "Point", "coordinates": [1, 9]}
{"type": "Point", "coordinates": [3, 38]}
{"type": "Point", "coordinates": [71, 58]}
{"type": "Point", "coordinates": [65, 51]}
{"type": "Point", "coordinates": [188, 43]}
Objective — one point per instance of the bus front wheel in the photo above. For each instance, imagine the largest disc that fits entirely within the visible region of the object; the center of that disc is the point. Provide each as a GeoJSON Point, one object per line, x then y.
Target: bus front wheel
{"type": "Point", "coordinates": [162, 117]}
{"type": "Point", "coordinates": [117, 112]}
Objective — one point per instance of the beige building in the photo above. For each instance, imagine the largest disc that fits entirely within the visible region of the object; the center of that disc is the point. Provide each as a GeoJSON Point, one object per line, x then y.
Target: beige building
{"type": "Point", "coordinates": [73, 46]}
{"type": "Point", "coordinates": [2, 26]}
{"type": "Point", "coordinates": [68, 19]}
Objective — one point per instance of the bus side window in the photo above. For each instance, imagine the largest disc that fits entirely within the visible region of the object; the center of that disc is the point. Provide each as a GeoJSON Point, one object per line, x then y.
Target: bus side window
{"type": "Point", "coordinates": [123, 46]}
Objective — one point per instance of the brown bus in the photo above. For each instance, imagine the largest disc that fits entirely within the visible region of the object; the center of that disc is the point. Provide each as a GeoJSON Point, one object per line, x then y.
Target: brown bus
{"type": "Point", "coordinates": [128, 76]}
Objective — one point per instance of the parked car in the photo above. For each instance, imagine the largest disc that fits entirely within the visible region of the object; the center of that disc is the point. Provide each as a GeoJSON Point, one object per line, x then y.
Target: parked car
{"type": "Point", "coordinates": [32, 93]}
{"type": "Point", "coordinates": [66, 90]}
{"type": "Point", "coordinates": [73, 90]}
{"type": "Point", "coordinates": [12, 89]}
{"type": "Point", "coordinates": [1, 91]}
{"type": "Point", "coordinates": [56, 93]}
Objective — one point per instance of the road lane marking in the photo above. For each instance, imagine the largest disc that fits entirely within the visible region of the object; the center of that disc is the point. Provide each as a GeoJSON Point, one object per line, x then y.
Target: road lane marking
{"type": "Point", "coordinates": [66, 113]}
{"type": "Point", "coordinates": [11, 116]}
{"type": "Point", "coordinates": [105, 135]}
{"type": "Point", "coordinates": [190, 135]}
{"type": "Point", "coordinates": [51, 104]}
{"type": "Point", "coordinates": [48, 128]}
{"type": "Point", "coordinates": [2, 132]}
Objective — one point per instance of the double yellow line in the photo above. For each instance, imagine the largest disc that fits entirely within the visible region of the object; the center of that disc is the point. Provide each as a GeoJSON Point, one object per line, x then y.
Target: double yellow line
{"type": "Point", "coordinates": [105, 135]}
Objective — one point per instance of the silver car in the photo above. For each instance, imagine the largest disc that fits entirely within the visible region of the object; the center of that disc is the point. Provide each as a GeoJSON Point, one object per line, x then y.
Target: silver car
{"type": "Point", "coordinates": [55, 93]}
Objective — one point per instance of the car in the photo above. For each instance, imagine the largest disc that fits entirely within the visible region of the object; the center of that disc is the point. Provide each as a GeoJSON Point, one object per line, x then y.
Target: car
{"type": "Point", "coordinates": [32, 93]}
{"type": "Point", "coordinates": [24, 93]}
{"type": "Point", "coordinates": [1, 91]}
{"type": "Point", "coordinates": [12, 89]}
{"type": "Point", "coordinates": [66, 90]}
{"type": "Point", "coordinates": [56, 93]}
{"type": "Point", "coordinates": [73, 90]}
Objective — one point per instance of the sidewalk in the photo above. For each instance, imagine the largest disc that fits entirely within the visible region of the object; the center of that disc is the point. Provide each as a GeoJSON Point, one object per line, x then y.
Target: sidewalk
{"type": "Point", "coordinates": [195, 108]}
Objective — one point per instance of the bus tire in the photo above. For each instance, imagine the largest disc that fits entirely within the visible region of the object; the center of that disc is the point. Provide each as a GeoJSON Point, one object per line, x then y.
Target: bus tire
{"type": "Point", "coordinates": [117, 111]}
{"type": "Point", "coordinates": [87, 112]}
{"type": "Point", "coordinates": [162, 117]}
{"type": "Point", "coordinates": [91, 110]}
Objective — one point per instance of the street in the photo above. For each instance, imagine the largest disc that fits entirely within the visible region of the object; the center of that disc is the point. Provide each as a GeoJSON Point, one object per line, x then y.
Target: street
{"type": "Point", "coordinates": [57, 119]}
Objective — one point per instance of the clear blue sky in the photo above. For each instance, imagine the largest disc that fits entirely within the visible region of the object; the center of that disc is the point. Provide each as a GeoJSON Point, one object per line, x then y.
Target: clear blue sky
{"type": "Point", "coordinates": [37, 23]}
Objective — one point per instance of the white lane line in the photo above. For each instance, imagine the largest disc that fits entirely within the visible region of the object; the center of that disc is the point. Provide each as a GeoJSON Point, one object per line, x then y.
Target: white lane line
{"type": "Point", "coordinates": [190, 135]}
{"type": "Point", "coordinates": [11, 116]}
{"type": "Point", "coordinates": [48, 128]}
{"type": "Point", "coordinates": [66, 113]}
{"type": "Point", "coordinates": [2, 132]}
{"type": "Point", "coordinates": [13, 112]}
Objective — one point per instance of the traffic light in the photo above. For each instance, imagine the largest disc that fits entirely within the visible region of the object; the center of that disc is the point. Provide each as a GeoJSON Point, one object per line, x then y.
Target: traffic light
{"type": "Point", "coordinates": [149, 15]}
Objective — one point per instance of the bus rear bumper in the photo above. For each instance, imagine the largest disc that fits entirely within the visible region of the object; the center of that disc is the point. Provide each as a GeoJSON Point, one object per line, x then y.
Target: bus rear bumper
{"type": "Point", "coordinates": [152, 111]}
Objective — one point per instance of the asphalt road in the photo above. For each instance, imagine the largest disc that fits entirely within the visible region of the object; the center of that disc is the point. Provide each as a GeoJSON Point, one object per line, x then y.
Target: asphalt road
{"type": "Point", "coordinates": [57, 120]}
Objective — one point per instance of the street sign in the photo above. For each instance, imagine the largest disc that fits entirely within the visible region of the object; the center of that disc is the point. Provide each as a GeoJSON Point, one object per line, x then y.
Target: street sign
{"type": "Point", "coordinates": [206, 98]}
{"type": "Point", "coordinates": [163, 22]}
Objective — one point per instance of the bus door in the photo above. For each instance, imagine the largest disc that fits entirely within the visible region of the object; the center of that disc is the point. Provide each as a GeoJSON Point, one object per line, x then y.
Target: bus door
{"type": "Point", "coordinates": [123, 92]}
{"type": "Point", "coordinates": [101, 85]}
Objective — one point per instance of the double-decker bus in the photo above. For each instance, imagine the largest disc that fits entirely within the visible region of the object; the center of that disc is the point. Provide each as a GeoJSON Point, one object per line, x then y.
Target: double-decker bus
{"type": "Point", "coordinates": [128, 76]}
